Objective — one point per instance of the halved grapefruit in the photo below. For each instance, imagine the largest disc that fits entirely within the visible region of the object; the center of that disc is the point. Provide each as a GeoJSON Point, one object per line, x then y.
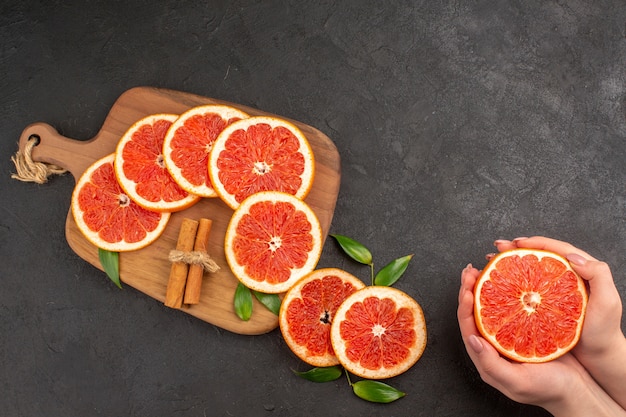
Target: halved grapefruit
{"type": "Point", "coordinates": [530, 305]}
{"type": "Point", "coordinates": [261, 153]}
{"type": "Point", "coordinates": [272, 240]}
{"type": "Point", "coordinates": [378, 332]}
{"type": "Point", "coordinates": [308, 309]}
{"type": "Point", "coordinates": [107, 216]}
{"type": "Point", "coordinates": [188, 142]}
{"type": "Point", "coordinates": [140, 169]}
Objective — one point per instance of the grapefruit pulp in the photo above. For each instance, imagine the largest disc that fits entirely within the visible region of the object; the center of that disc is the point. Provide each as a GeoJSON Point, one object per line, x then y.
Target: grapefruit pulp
{"type": "Point", "coordinates": [378, 332]}
{"type": "Point", "coordinates": [272, 240]}
{"type": "Point", "coordinates": [260, 153]}
{"type": "Point", "coordinates": [530, 305]}
{"type": "Point", "coordinates": [308, 309]}
{"type": "Point", "coordinates": [107, 217]}
{"type": "Point", "coordinates": [188, 142]}
{"type": "Point", "coordinates": [140, 168]}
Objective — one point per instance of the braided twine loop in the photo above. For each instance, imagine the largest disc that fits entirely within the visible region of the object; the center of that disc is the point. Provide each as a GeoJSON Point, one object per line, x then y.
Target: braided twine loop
{"type": "Point", "coordinates": [29, 170]}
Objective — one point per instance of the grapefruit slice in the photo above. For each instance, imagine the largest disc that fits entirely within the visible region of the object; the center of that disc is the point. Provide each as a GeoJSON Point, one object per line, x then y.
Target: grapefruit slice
{"type": "Point", "coordinates": [308, 309]}
{"type": "Point", "coordinates": [530, 305]}
{"type": "Point", "coordinates": [260, 154]}
{"type": "Point", "coordinates": [188, 142]}
{"type": "Point", "coordinates": [272, 240]}
{"type": "Point", "coordinates": [140, 169]}
{"type": "Point", "coordinates": [378, 332]}
{"type": "Point", "coordinates": [107, 217]}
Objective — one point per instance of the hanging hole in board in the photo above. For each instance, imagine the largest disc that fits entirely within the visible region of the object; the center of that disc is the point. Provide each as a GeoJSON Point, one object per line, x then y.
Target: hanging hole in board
{"type": "Point", "coordinates": [36, 138]}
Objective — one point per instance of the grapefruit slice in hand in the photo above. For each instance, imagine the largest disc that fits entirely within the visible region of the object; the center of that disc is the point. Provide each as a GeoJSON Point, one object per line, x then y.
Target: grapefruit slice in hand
{"type": "Point", "coordinates": [272, 240]}
{"type": "Point", "coordinates": [140, 168]}
{"type": "Point", "coordinates": [260, 154]}
{"type": "Point", "coordinates": [308, 309]}
{"type": "Point", "coordinates": [378, 332]}
{"type": "Point", "coordinates": [107, 217]}
{"type": "Point", "coordinates": [188, 142]}
{"type": "Point", "coordinates": [530, 305]}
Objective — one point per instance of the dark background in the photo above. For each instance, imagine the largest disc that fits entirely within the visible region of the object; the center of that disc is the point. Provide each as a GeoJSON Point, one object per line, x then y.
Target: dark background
{"type": "Point", "coordinates": [457, 122]}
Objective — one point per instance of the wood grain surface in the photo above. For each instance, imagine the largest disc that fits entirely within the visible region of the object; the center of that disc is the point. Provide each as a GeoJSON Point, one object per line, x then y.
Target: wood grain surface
{"type": "Point", "coordinates": [147, 270]}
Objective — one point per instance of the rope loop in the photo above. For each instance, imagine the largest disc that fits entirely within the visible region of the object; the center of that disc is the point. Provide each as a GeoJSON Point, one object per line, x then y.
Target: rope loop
{"type": "Point", "coordinates": [33, 171]}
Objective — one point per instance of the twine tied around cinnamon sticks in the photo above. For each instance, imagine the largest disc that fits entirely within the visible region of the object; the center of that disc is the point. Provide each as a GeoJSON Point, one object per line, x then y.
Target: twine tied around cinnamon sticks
{"type": "Point", "coordinates": [29, 170]}
{"type": "Point", "coordinates": [189, 262]}
{"type": "Point", "coordinates": [194, 258]}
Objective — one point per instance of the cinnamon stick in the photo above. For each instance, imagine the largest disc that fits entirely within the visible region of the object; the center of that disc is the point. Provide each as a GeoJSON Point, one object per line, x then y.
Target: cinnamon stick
{"type": "Point", "coordinates": [178, 272]}
{"type": "Point", "coordinates": [194, 276]}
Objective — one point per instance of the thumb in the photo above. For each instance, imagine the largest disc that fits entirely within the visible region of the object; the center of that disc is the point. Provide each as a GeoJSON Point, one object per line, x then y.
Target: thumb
{"type": "Point", "coordinates": [597, 273]}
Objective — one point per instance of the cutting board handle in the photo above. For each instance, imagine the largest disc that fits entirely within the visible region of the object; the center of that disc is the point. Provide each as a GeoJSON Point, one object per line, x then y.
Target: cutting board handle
{"type": "Point", "coordinates": [53, 148]}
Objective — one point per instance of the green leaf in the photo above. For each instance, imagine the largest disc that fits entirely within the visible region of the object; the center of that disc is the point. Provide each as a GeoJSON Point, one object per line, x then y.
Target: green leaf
{"type": "Point", "coordinates": [243, 302]}
{"type": "Point", "coordinates": [271, 301]}
{"type": "Point", "coordinates": [110, 262]}
{"type": "Point", "coordinates": [376, 392]}
{"type": "Point", "coordinates": [324, 374]}
{"type": "Point", "coordinates": [354, 249]}
{"type": "Point", "coordinates": [392, 271]}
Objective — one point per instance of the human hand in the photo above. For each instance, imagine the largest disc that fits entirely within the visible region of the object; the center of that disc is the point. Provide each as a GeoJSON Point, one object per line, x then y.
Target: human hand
{"type": "Point", "coordinates": [562, 386]}
{"type": "Point", "coordinates": [602, 346]}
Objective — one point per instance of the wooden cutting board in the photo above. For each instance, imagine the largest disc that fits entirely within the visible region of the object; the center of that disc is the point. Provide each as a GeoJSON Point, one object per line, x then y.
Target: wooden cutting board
{"type": "Point", "coordinates": [148, 269]}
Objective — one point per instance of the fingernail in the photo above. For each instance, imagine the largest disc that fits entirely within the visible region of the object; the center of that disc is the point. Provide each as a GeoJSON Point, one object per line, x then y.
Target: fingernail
{"type": "Point", "coordinates": [500, 242]}
{"type": "Point", "coordinates": [576, 259]}
{"type": "Point", "coordinates": [517, 239]}
{"type": "Point", "coordinates": [475, 344]}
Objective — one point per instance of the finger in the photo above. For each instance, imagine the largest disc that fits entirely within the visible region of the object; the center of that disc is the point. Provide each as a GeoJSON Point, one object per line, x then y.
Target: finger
{"type": "Point", "coordinates": [597, 273]}
{"type": "Point", "coordinates": [504, 245]}
{"type": "Point", "coordinates": [469, 276]}
{"type": "Point", "coordinates": [465, 310]}
{"type": "Point", "coordinates": [468, 279]}
{"type": "Point", "coordinates": [493, 369]}
{"type": "Point", "coordinates": [552, 245]}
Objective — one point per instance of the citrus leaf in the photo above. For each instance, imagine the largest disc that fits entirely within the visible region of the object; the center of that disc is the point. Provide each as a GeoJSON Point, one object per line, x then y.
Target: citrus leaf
{"type": "Point", "coordinates": [271, 301]}
{"type": "Point", "coordinates": [376, 392]}
{"type": "Point", "coordinates": [392, 271]}
{"type": "Point", "coordinates": [354, 249]}
{"type": "Point", "coordinates": [110, 262]}
{"type": "Point", "coordinates": [323, 374]}
{"type": "Point", "coordinates": [243, 302]}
